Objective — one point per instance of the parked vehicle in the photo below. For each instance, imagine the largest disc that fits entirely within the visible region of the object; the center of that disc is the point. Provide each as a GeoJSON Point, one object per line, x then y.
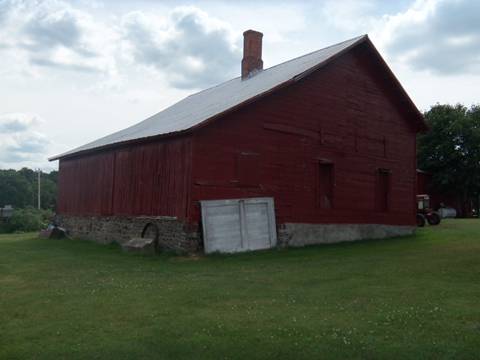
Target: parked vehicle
{"type": "Point", "coordinates": [6, 212]}
{"type": "Point", "coordinates": [425, 213]}
{"type": "Point", "coordinates": [447, 212]}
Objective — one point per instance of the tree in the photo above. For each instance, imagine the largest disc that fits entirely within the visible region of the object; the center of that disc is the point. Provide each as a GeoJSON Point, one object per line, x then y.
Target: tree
{"type": "Point", "coordinates": [14, 189]}
{"type": "Point", "coordinates": [450, 151]}
{"type": "Point", "coordinates": [48, 192]}
{"type": "Point", "coordinates": [19, 188]}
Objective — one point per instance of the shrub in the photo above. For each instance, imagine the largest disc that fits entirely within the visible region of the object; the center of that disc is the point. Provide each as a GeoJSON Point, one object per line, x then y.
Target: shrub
{"type": "Point", "coordinates": [28, 219]}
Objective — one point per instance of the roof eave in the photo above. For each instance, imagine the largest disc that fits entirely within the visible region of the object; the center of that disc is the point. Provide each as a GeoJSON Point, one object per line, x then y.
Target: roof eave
{"type": "Point", "coordinates": [117, 145]}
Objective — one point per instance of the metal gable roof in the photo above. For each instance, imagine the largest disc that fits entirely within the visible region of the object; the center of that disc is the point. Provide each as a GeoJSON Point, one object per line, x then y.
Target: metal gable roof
{"type": "Point", "coordinates": [198, 108]}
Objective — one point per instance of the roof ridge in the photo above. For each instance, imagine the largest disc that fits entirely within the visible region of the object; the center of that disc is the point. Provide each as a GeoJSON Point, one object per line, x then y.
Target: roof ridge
{"type": "Point", "coordinates": [282, 63]}
{"type": "Point", "coordinates": [316, 51]}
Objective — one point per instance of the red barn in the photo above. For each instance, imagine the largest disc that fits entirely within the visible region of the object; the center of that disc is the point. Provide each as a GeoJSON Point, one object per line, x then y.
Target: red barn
{"type": "Point", "coordinates": [330, 136]}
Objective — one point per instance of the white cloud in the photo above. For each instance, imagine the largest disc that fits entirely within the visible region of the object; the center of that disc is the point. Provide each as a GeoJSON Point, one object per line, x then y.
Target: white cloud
{"type": "Point", "coordinates": [20, 142]}
{"type": "Point", "coordinates": [4, 10]}
{"type": "Point", "coordinates": [53, 35]}
{"type": "Point", "coordinates": [18, 122]}
{"type": "Point", "coordinates": [188, 46]}
{"type": "Point", "coordinates": [58, 35]}
{"type": "Point", "coordinates": [349, 15]}
{"type": "Point", "coordinates": [439, 36]}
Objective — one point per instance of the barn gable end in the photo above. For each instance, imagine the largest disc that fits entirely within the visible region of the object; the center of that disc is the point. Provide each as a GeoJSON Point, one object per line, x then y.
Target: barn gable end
{"type": "Point", "coordinates": [345, 114]}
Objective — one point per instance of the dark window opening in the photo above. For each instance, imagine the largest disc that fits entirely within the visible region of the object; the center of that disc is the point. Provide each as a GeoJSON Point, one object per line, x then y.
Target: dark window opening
{"type": "Point", "coordinates": [326, 184]}
{"type": "Point", "coordinates": [383, 190]}
{"type": "Point", "coordinates": [248, 169]}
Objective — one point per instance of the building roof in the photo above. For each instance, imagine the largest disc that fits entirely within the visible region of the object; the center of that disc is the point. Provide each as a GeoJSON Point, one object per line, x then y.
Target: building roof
{"type": "Point", "coordinates": [196, 109]}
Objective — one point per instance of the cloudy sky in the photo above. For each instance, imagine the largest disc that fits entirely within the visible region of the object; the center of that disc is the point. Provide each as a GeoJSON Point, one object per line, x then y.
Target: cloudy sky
{"type": "Point", "coordinates": [71, 72]}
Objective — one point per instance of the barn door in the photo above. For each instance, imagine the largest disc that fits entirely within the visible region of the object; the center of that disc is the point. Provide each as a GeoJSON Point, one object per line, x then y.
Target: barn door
{"type": "Point", "coordinates": [238, 225]}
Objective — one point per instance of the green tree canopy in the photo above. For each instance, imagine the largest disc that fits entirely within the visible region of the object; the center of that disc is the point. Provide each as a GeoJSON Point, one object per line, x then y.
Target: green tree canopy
{"type": "Point", "coordinates": [19, 188]}
{"type": "Point", "coordinates": [450, 151]}
{"type": "Point", "coordinates": [14, 189]}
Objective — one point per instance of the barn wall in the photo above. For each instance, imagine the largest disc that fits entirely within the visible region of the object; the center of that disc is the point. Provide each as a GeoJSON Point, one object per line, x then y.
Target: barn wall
{"type": "Point", "coordinates": [423, 182]}
{"type": "Point", "coordinates": [145, 179]}
{"type": "Point", "coordinates": [344, 114]}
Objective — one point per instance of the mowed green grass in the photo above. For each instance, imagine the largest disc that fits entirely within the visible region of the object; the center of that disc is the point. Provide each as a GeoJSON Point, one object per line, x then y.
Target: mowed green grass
{"type": "Point", "coordinates": [416, 297]}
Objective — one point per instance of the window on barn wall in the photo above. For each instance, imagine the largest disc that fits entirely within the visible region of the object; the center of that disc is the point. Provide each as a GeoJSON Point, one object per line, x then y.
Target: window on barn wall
{"type": "Point", "coordinates": [326, 183]}
{"type": "Point", "coordinates": [248, 169]}
{"type": "Point", "coordinates": [382, 190]}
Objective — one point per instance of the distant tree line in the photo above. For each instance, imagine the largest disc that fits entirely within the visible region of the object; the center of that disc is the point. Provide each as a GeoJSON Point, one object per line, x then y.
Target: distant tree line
{"type": "Point", "coordinates": [19, 188]}
{"type": "Point", "coordinates": [450, 152]}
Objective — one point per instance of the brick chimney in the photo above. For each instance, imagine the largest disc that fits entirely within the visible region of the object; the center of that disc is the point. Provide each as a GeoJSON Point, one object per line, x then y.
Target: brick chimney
{"type": "Point", "coordinates": [252, 53]}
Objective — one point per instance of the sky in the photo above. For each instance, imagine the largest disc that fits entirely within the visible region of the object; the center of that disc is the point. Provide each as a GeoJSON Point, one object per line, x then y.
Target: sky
{"type": "Point", "coordinates": [72, 72]}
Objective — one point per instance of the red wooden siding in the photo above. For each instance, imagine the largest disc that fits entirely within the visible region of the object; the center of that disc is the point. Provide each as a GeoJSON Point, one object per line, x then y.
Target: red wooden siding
{"type": "Point", "coordinates": [345, 114]}
{"type": "Point", "coordinates": [423, 182]}
{"type": "Point", "coordinates": [85, 185]}
{"type": "Point", "coordinates": [146, 179]}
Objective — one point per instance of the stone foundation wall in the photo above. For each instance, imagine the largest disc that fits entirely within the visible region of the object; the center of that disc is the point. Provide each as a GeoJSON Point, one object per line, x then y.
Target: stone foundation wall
{"type": "Point", "coordinates": [296, 234]}
{"type": "Point", "coordinates": [173, 234]}
{"type": "Point", "coordinates": [180, 237]}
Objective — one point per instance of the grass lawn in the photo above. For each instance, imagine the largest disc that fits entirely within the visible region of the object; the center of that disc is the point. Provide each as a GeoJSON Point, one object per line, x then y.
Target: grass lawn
{"type": "Point", "coordinates": [415, 297]}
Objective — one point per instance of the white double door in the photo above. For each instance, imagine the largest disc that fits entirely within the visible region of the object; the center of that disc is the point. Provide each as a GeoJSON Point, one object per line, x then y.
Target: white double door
{"type": "Point", "coordinates": [235, 225]}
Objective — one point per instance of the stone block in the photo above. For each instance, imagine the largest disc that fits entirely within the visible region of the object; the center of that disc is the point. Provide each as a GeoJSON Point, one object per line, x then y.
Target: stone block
{"type": "Point", "coordinates": [140, 245]}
